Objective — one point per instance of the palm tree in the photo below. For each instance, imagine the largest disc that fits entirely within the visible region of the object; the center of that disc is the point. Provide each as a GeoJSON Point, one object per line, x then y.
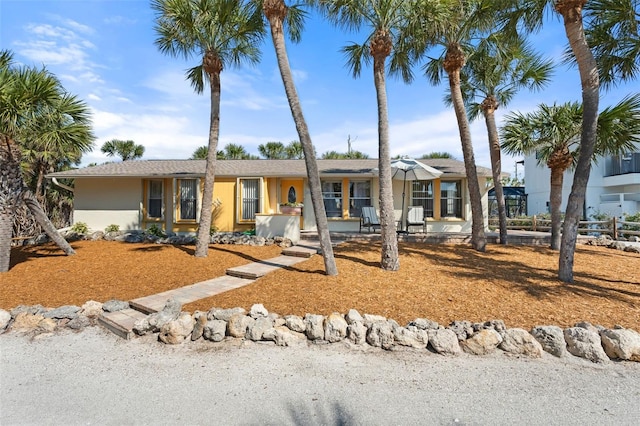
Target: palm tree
{"type": "Point", "coordinates": [200, 153]}
{"type": "Point", "coordinates": [233, 151]}
{"type": "Point", "coordinates": [273, 151]}
{"type": "Point", "coordinates": [278, 14]}
{"type": "Point", "coordinates": [436, 154]}
{"type": "Point", "coordinates": [529, 14]}
{"type": "Point", "coordinates": [384, 20]}
{"type": "Point", "coordinates": [493, 75]}
{"type": "Point", "coordinates": [335, 155]}
{"type": "Point", "coordinates": [553, 133]}
{"type": "Point", "coordinates": [219, 33]}
{"type": "Point", "coordinates": [126, 150]}
{"type": "Point", "coordinates": [294, 150]}
{"type": "Point", "coordinates": [465, 31]}
{"type": "Point", "coordinates": [28, 101]}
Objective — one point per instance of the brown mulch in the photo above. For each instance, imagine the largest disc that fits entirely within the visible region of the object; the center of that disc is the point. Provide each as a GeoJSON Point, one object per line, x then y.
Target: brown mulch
{"type": "Point", "coordinates": [517, 284]}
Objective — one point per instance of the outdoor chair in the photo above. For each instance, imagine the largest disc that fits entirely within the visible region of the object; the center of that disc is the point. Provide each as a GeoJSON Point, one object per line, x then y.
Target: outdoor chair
{"type": "Point", "coordinates": [415, 217]}
{"type": "Point", "coordinates": [369, 219]}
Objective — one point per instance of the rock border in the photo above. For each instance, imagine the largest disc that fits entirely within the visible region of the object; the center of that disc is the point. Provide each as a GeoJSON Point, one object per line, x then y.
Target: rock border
{"type": "Point", "coordinates": [172, 326]}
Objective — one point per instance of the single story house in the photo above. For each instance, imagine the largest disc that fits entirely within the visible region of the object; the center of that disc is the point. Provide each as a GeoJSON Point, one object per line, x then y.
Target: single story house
{"type": "Point", "coordinates": [168, 193]}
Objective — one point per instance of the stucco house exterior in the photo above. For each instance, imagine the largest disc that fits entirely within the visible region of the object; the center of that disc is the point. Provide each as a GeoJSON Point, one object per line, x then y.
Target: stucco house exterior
{"type": "Point", "coordinates": [168, 193]}
{"type": "Point", "coordinates": [613, 189]}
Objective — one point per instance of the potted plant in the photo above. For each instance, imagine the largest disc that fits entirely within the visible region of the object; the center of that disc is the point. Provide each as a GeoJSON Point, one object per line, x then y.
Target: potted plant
{"type": "Point", "coordinates": [291, 208]}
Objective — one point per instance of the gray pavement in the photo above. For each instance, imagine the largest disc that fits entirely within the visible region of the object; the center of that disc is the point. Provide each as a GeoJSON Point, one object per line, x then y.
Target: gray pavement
{"type": "Point", "coordinates": [94, 377]}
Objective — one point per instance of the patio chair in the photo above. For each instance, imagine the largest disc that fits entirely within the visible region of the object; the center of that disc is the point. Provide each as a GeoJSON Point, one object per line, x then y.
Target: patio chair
{"type": "Point", "coordinates": [415, 217]}
{"type": "Point", "coordinates": [369, 219]}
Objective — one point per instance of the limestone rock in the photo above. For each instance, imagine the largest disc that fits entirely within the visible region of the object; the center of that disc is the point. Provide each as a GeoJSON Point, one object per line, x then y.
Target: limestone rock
{"type": "Point", "coordinates": [551, 338]}
{"type": "Point", "coordinates": [258, 328]}
{"type": "Point", "coordinates": [335, 328]}
{"type": "Point", "coordinates": [214, 330]}
{"type": "Point", "coordinates": [424, 324]}
{"type": "Point", "coordinates": [176, 331]}
{"type": "Point", "coordinates": [621, 343]}
{"type": "Point", "coordinates": [585, 344]}
{"type": "Point", "coordinates": [370, 319]}
{"type": "Point", "coordinates": [283, 336]}
{"type": "Point", "coordinates": [483, 342]}
{"type": "Point", "coordinates": [26, 321]}
{"type": "Point", "coordinates": [79, 322]}
{"type": "Point", "coordinates": [407, 337]}
{"type": "Point", "coordinates": [380, 335]}
{"type": "Point", "coordinates": [519, 342]}
{"type": "Point", "coordinates": [589, 326]}
{"type": "Point", "coordinates": [31, 310]}
{"type": "Point", "coordinates": [5, 317]}
{"type": "Point", "coordinates": [357, 333]}
{"type": "Point", "coordinates": [198, 328]}
{"type": "Point", "coordinates": [497, 325]}
{"type": "Point", "coordinates": [91, 309]}
{"type": "Point", "coordinates": [238, 325]}
{"type": "Point", "coordinates": [462, 329]}
{"type": "Point", "coordinates": [67, 311]}
{"type": "Point", "coordinates": [295, 323]}
{"type": "Point", "coordinates": [224, 314]}
{"type": "Point", "coordinates": [314, 326]}
{"type": "Point", "coordinates": [444, 341]}
{"type": "Point", "coordinates": [353, 316]}
{"type": "Point", "coordinates": [114, 305]}
{"type": "Point", "coordinates": [47, 325]}
{"type": "Point", "coordinates": [258, 311]}
{"type": "Point", "coordinates": [154, 322]}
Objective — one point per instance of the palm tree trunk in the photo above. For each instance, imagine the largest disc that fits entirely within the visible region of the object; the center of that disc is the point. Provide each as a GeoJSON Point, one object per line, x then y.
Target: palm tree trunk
{"type": "Point", "coordinates": [478, 238]}
{"type": "Point", "coordinates": [39, 192]}
{"type": "Point", "coordinates": [496, 163]}
{"type": "Point", "coordinates": [6, 232]}
{"type": "Point", "coordinates": [555, 201]}
{"type": "Point", "coordinates": [10, 187]}
{"type": "Point", "coordinates": [41, 217]}
{"type": "Point", "coordinates": [213, 66]}
{"type": "Point", "coordinates": [390, 258]}
{"type": "Point", "coordinates": [275, 11]}
{"type": "Point", "coordinates": [590, 99]}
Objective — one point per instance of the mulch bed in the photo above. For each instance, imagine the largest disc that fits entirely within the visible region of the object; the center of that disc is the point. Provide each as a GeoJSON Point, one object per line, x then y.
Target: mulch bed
{"type": "Point", "coordinates": [517, 284]}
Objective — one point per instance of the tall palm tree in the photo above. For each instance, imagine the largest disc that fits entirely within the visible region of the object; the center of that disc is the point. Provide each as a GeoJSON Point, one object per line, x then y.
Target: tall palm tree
{"type": "Point", "coordinates": [437, 154]}
{"type": "Point", "coordinates": [493, 75]}
{"type": "Point", "coordinates": [219, 33]}
{"type": "Point", "coordinates": [234, 151]}
{"type": "Point", "coordinates": [28, 98]}
{"type": "Point", "coordinates": [553, 133]}
{"type": "Point", "coordinates": [466, 29]}
{"type": "Point", "coordinates": [601, 25]}
{"type": "Point", "coordinates": [384, 21]}
{"type": "Point", "coordinates": [280, 16]}
{"type": "Point", "coordinates": [200, 153]}
{"type": "Point", "coordinates": [273, 150]}
{"type": "Point", "coordinates": [126, 150]}
{"type": "Point", "coordinates": [294, 150]}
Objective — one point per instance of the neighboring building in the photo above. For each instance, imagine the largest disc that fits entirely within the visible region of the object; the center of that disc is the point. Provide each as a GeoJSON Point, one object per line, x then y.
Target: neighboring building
{"type": "Point", "coordinates": [515, 200]}
{"type": "Point", "coordinates": [168, 193]}
{"type": "Point", "coordinates": [613, 189]}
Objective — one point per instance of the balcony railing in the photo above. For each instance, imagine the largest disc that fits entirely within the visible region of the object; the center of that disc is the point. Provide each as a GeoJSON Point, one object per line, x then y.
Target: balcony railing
{"type": "Point", "coordinates": [622, 164]}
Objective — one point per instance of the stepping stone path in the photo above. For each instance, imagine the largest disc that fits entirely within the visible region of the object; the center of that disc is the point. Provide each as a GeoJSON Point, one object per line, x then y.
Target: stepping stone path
{"type": "Point", "coordinates": [122, 322]}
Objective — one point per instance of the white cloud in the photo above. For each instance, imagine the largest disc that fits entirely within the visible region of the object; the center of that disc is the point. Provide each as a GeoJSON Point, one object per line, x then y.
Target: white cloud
{"type": "Point", "coordinates": [94, 97]}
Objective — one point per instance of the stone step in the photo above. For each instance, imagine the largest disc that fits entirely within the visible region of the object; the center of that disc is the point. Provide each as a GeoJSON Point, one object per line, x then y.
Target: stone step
{"type": "Point", "coordinates": [255, 270]}
{"type": "Point", "coordinates": [302, 250]}
{"type": "Point", "coordinates": [121, 322]}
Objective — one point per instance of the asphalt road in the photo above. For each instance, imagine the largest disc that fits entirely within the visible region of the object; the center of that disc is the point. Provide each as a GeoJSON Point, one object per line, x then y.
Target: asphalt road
{"type": "Point", "coordinates": [94, 377]}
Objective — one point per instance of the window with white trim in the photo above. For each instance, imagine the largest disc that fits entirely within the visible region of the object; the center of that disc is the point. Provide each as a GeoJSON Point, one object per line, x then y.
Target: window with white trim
{"type": "Point", "coordinates": [155, 199]}
{"type": "Point", "coordinates": [422, 195]}
{"type": "Point", "coordinates": [249, 199]}
{"type": "Point", "coordinates": [188, 199]}
{"type": "Point", "coordinates": [332, 197]}
{"type": "Point", "coordinates": [451, 199]}
{"type": "Point", "coordinates": [359, 197]}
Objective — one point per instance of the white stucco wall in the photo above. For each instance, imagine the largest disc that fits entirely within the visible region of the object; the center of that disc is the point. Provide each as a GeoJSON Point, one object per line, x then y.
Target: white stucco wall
{"type": "Point", "coordinates": [100, 202]}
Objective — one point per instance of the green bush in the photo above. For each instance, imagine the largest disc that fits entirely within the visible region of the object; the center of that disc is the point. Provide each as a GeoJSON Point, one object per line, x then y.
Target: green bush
{"type": "Point", "coordinates": [213, 230]}
{"type": "Point", "coordinates": [155, 230]}
{"type": "Point", "coordinates": [632, 218]}
{"type": "Point", "coordinates": [80, 228]}
{"type": "Point", "coordinates": [112, 228]}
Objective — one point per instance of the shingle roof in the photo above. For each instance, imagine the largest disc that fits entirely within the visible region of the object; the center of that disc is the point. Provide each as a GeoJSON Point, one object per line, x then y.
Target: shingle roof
{"type": "Point", "coordinates": [249, 168]}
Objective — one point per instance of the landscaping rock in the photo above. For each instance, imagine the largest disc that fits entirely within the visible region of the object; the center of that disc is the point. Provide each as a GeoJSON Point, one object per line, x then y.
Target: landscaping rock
{"type": "Point", "coordinates": [47, 325]}
{"type": "Point", "coordinates": [370, 319]}
{"type": "Point", "coordinates": [214, 330]}
{"type": "Point", "coordinates": [26, 321]}
{"type": "Point", "coordinates": [79, 322]}
{"type": "Point", "coordinates": [406, 337]}
{"type": "Point", "coordinates": [335, 328]}
{"type": "Point", "coordinates": [444, 341]}
{"type": "Point", "coordinates": [200, 322]}
{"type": "Point", "coordinates": [224, 314]}
{"type": "Point", "coordinates": [115, 305]}
{"type": "Point", "coordinates": [380, 335]}
{"type": "Point", "coordinates": [595, 328]}
{"type": "Point", "coordinates": [462, 329]}
{"type": "Point", "coordinates": [258, 311]}
{"type": "Point", "coordinates": [483, 342]}
{"type": "Point", "coordinates": [551, 338]}
{"type": "Point", "coordinates": [31, 310]}
{"type": "Point", "coordinates": [353, 316]}
{"type": "Point", "coordinates": [621, 343]}
{"type": "Point", "coordinates": [258, 328]}
{"type": "Point", "coordinates": [424, 324]}
{"type": "Point", "coordinates": [238, 325]}
{"type": "Point", "coordinates": [5, 318]}
{"type": "Point", "coordinates": [283, 336]}
{"type": "Point", "coordinates": [67, 311]}
{"type": "Point", "coordinates": [517, 341]}
{"type": "Point", "coordinates": [295, 323]}
{"type": "Point", "coordinates": [357, 333]}
{"type": "Point", "coordinates": [91, 309]}
{"type": "Point", "coordinates": [497, 325]}
{"type": "Point", "coordinates": [585, 343]}
{"type": "Point", "coordinates": [176, 331]}
{"type": "Point", "coordinates": [154, 322]}
{"type": "Point", "coordinates": [314, 326]}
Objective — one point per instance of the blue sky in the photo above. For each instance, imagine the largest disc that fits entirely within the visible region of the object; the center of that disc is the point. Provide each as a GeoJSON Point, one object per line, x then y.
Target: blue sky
{"type": "Point", "coordinates": [104, 52]}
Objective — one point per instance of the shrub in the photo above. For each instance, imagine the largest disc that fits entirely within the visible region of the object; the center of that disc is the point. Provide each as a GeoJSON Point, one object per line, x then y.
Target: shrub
{"type": "Point", "coordinates": [155, 230]}
{"type": "Point", "coordinates": [80, 228]}
{"type": "Point", "coordinates": [632, 218]}
{"type": "Point", "coordinates": [112, 228]}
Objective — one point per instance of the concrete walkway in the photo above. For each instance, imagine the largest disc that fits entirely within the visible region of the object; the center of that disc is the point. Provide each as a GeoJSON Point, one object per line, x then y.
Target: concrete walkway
{"type": "Point", "coordinates": [122, 322]}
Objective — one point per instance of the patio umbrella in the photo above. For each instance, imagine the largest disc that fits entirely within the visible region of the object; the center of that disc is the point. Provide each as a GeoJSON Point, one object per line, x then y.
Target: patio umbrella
{"type": "Point", "coordinates": [410, 169]}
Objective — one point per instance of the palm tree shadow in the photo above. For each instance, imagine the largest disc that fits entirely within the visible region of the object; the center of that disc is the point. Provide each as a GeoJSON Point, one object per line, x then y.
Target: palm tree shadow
{"type": "Point", "coordinates": [27, 253]}
{"type": "Point", "coordinates": [320, 413]}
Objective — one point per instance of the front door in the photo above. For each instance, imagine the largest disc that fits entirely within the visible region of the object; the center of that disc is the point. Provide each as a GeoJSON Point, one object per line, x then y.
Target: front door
{"type": "Point", "coordinates": [292, 191]}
